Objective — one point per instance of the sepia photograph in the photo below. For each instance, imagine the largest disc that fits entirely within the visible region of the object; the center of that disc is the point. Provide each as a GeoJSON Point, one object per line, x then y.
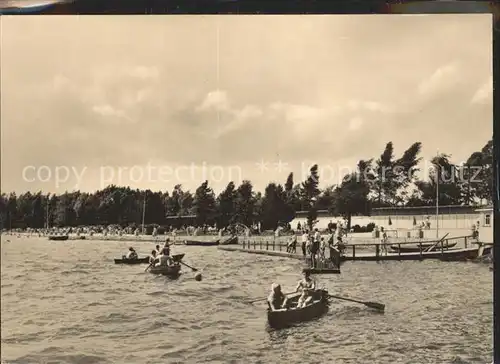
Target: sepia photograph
{"type": "Point", "coordinates": [247, 189]}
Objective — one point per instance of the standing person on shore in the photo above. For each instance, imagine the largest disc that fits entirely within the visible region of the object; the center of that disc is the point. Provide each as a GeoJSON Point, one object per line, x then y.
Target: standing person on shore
{"type": "Point", "coordinates": [304, 239]}
{"type": "Point", "coordinates": [315, 247]}
{"type": "Point", "coordinates": [292, 246]}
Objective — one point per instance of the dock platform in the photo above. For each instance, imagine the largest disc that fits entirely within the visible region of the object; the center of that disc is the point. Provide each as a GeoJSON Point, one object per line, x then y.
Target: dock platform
{"type": "Point", "coordinates": [470, 249]}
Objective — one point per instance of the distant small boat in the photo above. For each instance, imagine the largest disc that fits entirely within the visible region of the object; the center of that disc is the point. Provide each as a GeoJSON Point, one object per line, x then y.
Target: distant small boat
{"type": "Point", "coordinates": [416, 248]}
{"type": "Point", "coordinates": [201, 243]}
{"type": "Point", "coordinates": [58, 237]}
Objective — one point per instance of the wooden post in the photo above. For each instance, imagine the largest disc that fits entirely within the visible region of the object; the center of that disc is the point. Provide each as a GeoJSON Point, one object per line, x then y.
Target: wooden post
{"type": "Point", "coordinates": [353, 251]}
{"type": "Point", "coordinates": [254, 245]}
{"type": "Point", "coordinates": [465, 242]}
{"type": "Point", "coordinates": [377, 251]}
{"type": "Point", "coordinates": [399, 249]}
{"type": "Point", "coordinates": [442, 246]}
{"type": "Point", "coordinates": [279, 244]}
{"type": "Point", "coordinates": [260, 244]}
{"type": "Point", "coordinates": [274, 245]}
{"type": "Point", "coordinates": [267, 244]}
{"type": "Point", "coordinates": [420, 248]}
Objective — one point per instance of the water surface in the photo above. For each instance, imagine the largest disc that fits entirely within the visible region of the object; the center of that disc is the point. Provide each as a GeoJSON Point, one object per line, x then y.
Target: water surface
{"type": "Point", "coordinates": [66, 302]}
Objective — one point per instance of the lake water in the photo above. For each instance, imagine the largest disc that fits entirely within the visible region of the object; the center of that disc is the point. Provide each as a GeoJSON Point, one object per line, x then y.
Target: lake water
{"type": "Point", "coordinates": [66, 302]}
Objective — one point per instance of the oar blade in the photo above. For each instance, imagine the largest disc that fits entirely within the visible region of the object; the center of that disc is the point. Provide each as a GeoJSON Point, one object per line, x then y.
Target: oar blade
{"type": "Point", "coordinates": [375, 305]}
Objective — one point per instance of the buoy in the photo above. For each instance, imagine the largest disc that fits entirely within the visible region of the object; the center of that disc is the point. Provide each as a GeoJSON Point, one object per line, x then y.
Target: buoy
{"type": "Point", "coordinates": [198, 277]}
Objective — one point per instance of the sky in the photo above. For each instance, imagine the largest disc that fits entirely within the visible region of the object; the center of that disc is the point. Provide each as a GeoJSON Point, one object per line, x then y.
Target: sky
{"type": "Point", "coordinates": [155, 101]}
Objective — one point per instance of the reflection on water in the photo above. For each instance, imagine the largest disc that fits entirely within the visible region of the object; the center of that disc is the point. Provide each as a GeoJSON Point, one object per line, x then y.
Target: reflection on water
{"type": "Point", "coordinates": [71, 304]}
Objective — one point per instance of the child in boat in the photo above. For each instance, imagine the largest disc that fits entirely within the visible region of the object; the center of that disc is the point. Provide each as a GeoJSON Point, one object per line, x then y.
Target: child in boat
{"type": "Point", "coordinates": [277, 300]}
{"type": "Point", "coordinates": [158, 250]}
{"type": "Point", "coordinates": [307, 286]}
{"type": "Point", "coordinates": [131, 254]}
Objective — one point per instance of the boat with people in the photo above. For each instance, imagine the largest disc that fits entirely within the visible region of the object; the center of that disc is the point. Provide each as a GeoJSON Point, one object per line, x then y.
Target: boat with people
{"type": "Point", "coordinates": [427, 246]}
{"type": "Point", "coordinates": [124, 260]}
{"type": "Point", "coordinates": [58, 237]}
{"type": "Point", "coordinates": [294, 315]}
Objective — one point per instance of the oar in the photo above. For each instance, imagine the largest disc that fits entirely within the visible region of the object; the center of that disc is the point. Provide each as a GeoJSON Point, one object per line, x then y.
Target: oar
{"type": "Point", "coordinates": [193, 269]}
{"type": "Point", "coordinates": [149, 266]}
{"type": "Point", "coordinates": [374, 305]}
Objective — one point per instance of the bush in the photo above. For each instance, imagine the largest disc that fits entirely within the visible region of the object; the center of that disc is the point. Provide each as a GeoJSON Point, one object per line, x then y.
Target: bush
{"type": "Point", "coordinates": [364, 229]}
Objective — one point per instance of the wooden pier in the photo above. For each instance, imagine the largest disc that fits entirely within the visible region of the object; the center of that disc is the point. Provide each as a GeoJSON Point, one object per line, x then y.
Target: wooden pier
{"type": "Point", "coordinates": [437, 249]}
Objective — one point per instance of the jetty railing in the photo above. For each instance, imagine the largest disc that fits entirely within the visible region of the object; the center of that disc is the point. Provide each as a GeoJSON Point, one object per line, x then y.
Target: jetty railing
{"type": "Point", "coordinates": [379, 249]}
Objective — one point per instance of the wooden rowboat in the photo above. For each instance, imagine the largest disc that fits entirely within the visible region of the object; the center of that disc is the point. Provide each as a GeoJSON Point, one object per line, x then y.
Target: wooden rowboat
{"type": "Point", "coordinates": [282, 319]}
{"type": "Point", "coordinates": [416, 248]}
{"type": "Point", "coordinates": [201, 243]}
{"type": "Point", "coordinates": [58, 237]}
{"type": "Point", "coordinates": [169, 270]}
{"type": "Point", "coordinates": [124, 260]}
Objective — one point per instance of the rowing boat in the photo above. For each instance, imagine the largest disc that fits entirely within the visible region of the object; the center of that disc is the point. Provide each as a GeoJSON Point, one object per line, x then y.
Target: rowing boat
{"type": "Point", "coordinates": [124, 260]}
{"type": "Point", "coordinates": [201, 243]}
{"type": "Point", "coordinates": [168, 270]}
{"type": "Point", "coordinates": [58, 237]}
{"type": "Point", "coordinates": [281, 319]}
{"type": "Point", "coordinates": [416, 248]}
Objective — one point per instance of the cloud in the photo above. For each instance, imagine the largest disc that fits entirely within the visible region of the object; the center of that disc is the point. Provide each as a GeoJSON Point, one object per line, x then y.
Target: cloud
{"type": "Point", "coordinates": [484, 93]}
{"type": "Point", "coordinates": [143, 72]}
{"type": "Point", "coordinates": [110, 113]}
{"type": "Point", "coordinates": [440, 80]}
{"type": "Point", "coordinates": [215, 100]}
{"type": "Point", "coordinates": [355, 123]}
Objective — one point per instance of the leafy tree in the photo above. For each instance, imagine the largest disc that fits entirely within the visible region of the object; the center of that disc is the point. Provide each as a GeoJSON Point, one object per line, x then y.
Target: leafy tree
{"type": "Point", "coordinates": [310, 192]}
{"type": "Point", "coordinates": [227, 205]}
{"type": "Point", "coordinates": [352, 195]}
{"type": "Point", "coordinates": [245, 203]}
{"type": "Point", "coordinates": [204, 204]}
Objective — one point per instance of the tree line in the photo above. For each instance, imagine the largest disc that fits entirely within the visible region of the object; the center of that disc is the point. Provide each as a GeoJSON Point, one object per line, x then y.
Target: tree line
{"type": "Point", "coordinates": [383, 182]}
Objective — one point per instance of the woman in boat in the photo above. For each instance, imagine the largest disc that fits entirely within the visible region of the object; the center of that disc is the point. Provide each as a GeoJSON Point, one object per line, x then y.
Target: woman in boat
{"type": "Point", "coordinates": [307, 286]}
{"type": "Point", "coordinates": [277, 300]}
{"type": "Point", "coordinates": [152, 257]}
{"type": "Point", "coordinates": [131, 254]}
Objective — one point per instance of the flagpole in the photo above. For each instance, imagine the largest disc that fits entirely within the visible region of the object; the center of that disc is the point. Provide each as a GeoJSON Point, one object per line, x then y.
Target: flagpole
{"type": "Point", "coordinates": [437, 196]}
{"type": "Point", "coordinates": [143, 213]}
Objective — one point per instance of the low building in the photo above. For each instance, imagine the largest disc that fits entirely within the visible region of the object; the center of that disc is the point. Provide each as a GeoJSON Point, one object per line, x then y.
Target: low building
{"type": "Point", "coordinates": [455, 220]}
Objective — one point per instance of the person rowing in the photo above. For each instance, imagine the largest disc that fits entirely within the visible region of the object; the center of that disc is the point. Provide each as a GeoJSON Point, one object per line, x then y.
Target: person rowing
{"type": "Point", "coordinates": [152, 257]}
{"type": "Point", "coordinates": [163, 260]}
{"type": "Point", "coordinates": [132, 254]}
{"type": "Point", "coordinates": [307, 286]}
{"type": "Point", "coordinates": [277, 300]}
